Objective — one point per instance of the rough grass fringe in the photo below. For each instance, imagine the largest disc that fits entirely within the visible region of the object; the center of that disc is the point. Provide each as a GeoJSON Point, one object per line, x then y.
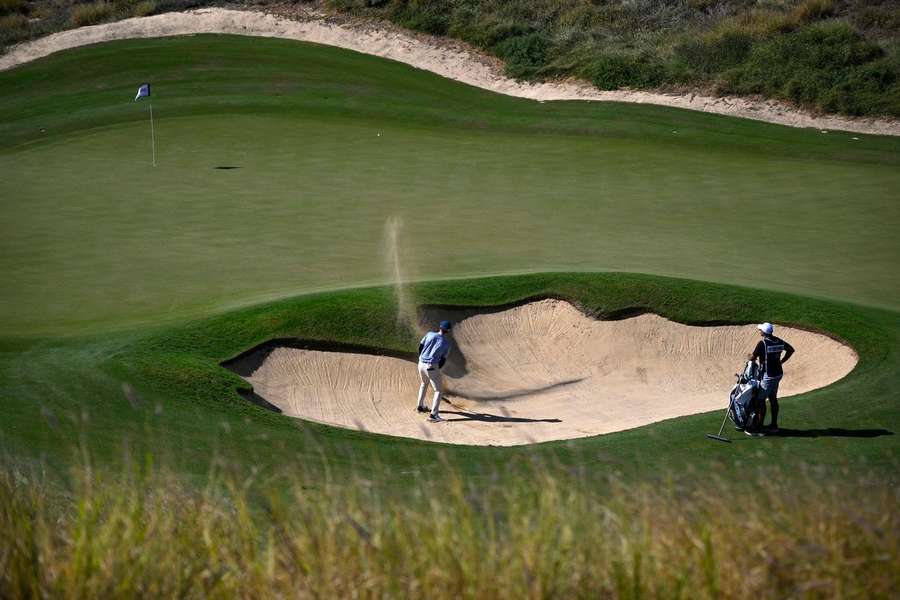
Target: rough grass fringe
{"type": "Point", "coordinates": [546, 534]}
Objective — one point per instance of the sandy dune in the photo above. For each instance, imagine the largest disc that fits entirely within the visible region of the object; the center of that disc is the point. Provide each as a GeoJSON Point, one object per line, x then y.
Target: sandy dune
{"type": "Point", "coordinates": [447, 58]}
{"type": "Point", "coordinates": [538, 372]}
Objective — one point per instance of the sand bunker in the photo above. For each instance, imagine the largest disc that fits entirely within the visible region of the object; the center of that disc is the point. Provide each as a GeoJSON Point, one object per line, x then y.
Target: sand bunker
{"type": "Point", "coordinates": [446, 57]}
{"type": "Point", "coordinates": [538, 372]}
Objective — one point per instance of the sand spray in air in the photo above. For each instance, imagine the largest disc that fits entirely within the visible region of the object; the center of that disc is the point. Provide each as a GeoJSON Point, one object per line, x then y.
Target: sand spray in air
{"type": "Point", "coordinates": [406, 314]}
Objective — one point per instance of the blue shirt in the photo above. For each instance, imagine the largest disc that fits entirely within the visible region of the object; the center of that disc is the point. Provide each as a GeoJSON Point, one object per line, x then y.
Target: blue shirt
{"type": "Point", "coordinates": [434, 347]}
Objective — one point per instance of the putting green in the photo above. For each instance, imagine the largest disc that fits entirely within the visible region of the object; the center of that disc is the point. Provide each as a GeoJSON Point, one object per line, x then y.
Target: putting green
{"type": "Point", "coordinates": [332, 144]}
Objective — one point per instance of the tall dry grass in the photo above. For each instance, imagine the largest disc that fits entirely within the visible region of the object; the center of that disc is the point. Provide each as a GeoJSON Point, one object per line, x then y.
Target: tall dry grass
{"type": "Point", "coordinates": [92, 14]}
{"type": "Point", "coordinates": [545, 534]}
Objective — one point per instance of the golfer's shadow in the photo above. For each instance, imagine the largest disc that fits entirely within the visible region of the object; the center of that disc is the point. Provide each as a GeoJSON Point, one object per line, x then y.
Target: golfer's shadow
{"type": "Point", "coordinates": [831, 432]}
{"type": "Point", "coordinates": [465, 415]}
{"type": "Point", "coordinates": [515, 394]}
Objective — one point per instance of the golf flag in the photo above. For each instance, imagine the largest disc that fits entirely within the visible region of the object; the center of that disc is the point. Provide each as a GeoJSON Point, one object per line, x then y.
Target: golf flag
{"type": "Point", "coordinates": [143, 91]}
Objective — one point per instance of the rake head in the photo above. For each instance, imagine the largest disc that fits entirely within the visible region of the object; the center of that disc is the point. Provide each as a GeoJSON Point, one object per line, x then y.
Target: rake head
{"type": "Point", "coordinates": [718, 438]}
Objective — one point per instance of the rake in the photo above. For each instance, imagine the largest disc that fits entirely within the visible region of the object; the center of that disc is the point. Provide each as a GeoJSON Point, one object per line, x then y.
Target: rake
{"type": "Point", "coordinates": [719, 436]}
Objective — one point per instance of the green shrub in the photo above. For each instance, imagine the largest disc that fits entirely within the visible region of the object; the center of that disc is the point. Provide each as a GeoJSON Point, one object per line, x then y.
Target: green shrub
{"type": "Point", "coordinates": [91, 14]}
{"type": "Point", "coordinates": [491, 32]}
{"type": "Point", "coordinates": [430, 16]}
{"type": "Point", "coordinates": [822, 66]}
{"type": "Point", "coordinates": [13, 29]}
{"type": "Point", "coordinates": [144, 8]}
{"type": "Point", "coordinates": [614, 71]}
{"type": "Point", "coordinates": [711, 54]}
{"type": "Point", "coordinates": [868, 89]}
{"type": "Point", "coordinates": [352, 4]}
{"type": "Point", "coordinates": [523, 54]}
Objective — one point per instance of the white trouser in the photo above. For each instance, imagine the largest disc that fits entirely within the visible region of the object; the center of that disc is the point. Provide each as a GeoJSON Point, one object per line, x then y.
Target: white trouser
{"type": "Point", "coordinates": [430, 374]}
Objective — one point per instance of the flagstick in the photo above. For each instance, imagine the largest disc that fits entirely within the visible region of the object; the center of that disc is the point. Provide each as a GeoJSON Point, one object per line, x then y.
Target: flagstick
{"type": "Point", "coordinates": [152, 135]}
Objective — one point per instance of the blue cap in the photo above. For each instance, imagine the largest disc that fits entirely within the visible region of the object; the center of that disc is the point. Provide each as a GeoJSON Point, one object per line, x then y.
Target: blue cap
{"type": "Point", "coordinates": [446, 325]}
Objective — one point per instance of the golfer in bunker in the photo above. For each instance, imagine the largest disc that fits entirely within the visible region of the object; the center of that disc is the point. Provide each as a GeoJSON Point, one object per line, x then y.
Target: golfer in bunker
{"type": "Point", "coordinates": [433, 351]}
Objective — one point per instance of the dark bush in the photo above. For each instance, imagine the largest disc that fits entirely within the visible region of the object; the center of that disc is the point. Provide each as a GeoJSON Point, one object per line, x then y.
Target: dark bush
{"type": "Point", "coordinates": [429, 16]}
{"type": "Point", "coordinates": [613, 71]}
{"type": "Point", "coordinates": [91, 14]}
{"type": "Point", "coordinates": [351, 4]}
{"type": "Point", "coordinates": [13, 29]}
{"type": "Point", "coordinates": [10, 7]}
{"type": "Point", "coordinates": [523, 54]}
{"type": "Point", "coordinates": [170, 5]}
{"type": "Point", "coordinates": [705, 56]}
{"type": "Point", "coordinates": [823, 66]}
{"type": "Point", "coordinates": [867, 89]}
{"type": "Point", "coordinates": [485, 28]}
{"type": "Point", "coordinates": [881, 18]}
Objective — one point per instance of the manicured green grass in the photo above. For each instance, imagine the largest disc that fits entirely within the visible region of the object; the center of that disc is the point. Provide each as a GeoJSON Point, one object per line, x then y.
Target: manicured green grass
{"type": "Point", "coordinates": [95, 239]}
{"type": "Point", "coordinates": [63, 397]}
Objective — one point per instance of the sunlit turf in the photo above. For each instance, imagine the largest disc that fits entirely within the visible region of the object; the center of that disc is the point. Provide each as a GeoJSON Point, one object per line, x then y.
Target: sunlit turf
{"type": "Point", "coordinates": [118, 272]}
{"type": "Point", "coordinates": [331, 144]}
{"type": "Point", "coordinates": [63, 394]}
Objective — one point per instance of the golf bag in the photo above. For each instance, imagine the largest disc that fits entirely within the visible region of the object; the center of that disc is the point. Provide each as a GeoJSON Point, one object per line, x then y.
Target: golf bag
{"type": "Point", "coordinates": [744, 405]}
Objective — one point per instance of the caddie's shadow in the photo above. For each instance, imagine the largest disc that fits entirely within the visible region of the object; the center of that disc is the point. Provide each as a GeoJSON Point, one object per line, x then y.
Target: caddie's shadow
{"type": "Point", "coordinates": [831, 432]}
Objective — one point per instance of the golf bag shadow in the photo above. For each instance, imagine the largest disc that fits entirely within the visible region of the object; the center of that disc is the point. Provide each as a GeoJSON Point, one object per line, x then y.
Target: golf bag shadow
{"type": "Point", "coordinates": [746, 409]}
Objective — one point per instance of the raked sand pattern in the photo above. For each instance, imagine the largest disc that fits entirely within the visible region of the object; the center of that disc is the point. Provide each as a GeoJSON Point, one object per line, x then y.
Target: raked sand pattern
{"type": "Point", "coordinates": [542, 371]}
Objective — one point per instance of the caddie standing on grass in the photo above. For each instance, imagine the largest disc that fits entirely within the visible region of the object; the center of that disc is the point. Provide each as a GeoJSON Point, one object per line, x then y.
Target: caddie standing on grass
{"type": "Point", "coordinates": [768, 353]}
{"type": "Point", "coordinates": [433, 351]}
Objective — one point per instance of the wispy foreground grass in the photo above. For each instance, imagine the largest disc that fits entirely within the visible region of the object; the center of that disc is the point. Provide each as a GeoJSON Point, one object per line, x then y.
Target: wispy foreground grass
{"type": "Point", "coordinates": [546, 533]}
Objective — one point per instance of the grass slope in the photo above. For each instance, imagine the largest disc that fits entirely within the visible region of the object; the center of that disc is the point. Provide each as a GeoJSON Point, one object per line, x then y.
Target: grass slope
{"type": "Point", "coordinates": [62, 399]}
{"type": "Point", "coordinates": [94, 238]}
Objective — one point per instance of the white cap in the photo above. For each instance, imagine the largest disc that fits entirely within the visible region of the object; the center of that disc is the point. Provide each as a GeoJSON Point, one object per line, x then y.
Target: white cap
{"type": "Point", "coordinates": [766, 328]}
